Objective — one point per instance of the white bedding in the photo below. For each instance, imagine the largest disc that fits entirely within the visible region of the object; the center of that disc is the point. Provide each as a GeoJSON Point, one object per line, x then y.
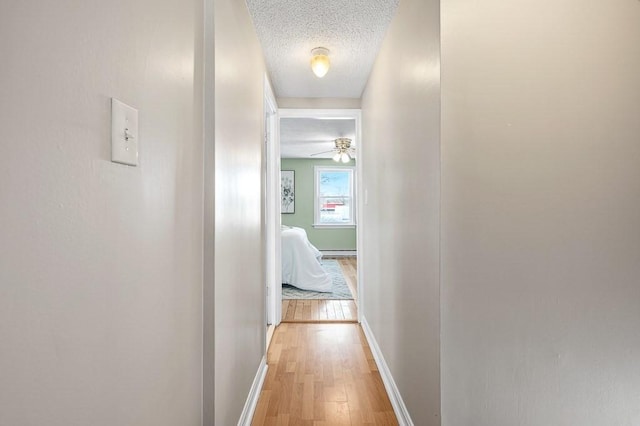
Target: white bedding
{"type": "Point", "coordinates": [301, 262]}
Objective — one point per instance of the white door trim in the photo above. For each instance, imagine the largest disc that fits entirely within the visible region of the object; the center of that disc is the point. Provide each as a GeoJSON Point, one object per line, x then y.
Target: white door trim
{"type": "Point", "coordinates": [273, 267]}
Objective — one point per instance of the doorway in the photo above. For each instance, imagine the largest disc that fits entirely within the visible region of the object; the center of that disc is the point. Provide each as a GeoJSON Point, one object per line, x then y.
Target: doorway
{"type": "Point", "coordinates": [331, 221]}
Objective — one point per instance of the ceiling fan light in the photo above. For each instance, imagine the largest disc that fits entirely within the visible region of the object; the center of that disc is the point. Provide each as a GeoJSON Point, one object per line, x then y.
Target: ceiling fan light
{"type": "Point", "coordinates": [320, 61]}
{"type": "Point", "coordinates": [336, 157]}
{"type": "Point", "coordinates": [345, 158]}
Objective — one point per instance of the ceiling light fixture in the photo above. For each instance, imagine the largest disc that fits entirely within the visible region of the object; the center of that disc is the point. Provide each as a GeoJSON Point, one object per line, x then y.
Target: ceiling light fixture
{"type": "Point", "coordinates": [320, 61]}
{"type": "Point", "coordinates": [343, 145]}
{"type": "Point", "coordinates": [343, 152]}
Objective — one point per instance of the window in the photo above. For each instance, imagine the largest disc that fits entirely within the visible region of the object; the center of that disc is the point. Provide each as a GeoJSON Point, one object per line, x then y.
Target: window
{"type": "Point", "coordinates": [334, 203]}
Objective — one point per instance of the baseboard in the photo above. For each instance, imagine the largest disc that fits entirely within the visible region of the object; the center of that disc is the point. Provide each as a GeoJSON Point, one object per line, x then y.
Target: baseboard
{"type": "Point", "coordinates": [392, 390]}
{"type": "Point", "coordinates": [339, 253]}
{"type": "Point", "coordinates": [254, 394]}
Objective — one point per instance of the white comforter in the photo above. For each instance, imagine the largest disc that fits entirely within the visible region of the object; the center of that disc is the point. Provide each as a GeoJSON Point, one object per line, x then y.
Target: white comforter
{"type": "Point", "coordinates": [301, 262]}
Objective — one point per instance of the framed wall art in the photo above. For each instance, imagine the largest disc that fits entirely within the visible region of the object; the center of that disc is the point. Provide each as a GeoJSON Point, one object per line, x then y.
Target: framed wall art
{"type": "Point", "coordinates": [288, 191]}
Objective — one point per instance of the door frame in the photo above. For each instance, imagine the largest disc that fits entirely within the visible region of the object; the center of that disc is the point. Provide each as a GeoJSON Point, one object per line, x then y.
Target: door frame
{"type": "Point", "coordinates": [355, 114]}
{"type": "Point", "coordinates": [273, 264]}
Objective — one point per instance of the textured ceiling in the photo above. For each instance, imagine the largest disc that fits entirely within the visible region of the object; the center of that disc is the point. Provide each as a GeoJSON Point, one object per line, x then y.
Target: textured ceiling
{"type": "Point", "coordinates": [301, 137]}
{"type": "Point", "coordinates": [351, 29]}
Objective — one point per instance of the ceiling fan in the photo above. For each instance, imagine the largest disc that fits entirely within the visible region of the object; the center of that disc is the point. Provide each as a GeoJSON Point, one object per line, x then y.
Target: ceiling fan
{"type": "Point", "coordinates": [343, 150]}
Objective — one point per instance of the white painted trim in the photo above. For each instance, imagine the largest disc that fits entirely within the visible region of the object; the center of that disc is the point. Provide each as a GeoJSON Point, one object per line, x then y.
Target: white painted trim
{"type": "Point", "coordinates": [254, 394]}
{"type": "Point", "coordinates": [360, 230]}
{"type": "Point", "coordinates": [276, 163]}
{"type": "Point", "coordinates": [339, 252]}
{"type": "Point", "coordinates": [389, 384]}
{"type": "Point", "coordinates": [272, 208]}
{"type": "Point", "coordinates": [336, 114]}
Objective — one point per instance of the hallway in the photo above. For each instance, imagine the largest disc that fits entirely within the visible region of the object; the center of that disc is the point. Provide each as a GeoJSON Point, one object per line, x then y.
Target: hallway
{"type": "Point", "coordinates": [499, 198]}
{"type": "Point", "coordinates": [322, 374]}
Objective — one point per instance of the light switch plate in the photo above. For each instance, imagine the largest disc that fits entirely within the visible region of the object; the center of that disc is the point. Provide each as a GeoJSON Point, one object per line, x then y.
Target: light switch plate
{"type": "Point", "coordinates": [124, 133]}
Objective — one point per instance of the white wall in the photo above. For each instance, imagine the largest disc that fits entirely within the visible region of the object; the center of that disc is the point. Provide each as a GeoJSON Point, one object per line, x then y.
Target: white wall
{"type": "Point", "coordinates": [541, 212]}
{"type": "Point", "coordinates": [401, 174]}
{"type": "Point", "coordinates": [239, 272]}
{"type": "Point", "coordinates": [100, 263]}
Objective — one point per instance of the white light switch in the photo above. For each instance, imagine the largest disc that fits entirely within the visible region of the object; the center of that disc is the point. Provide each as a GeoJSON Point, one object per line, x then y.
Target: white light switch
{"type": "Point", "coordinates": [124, 133]}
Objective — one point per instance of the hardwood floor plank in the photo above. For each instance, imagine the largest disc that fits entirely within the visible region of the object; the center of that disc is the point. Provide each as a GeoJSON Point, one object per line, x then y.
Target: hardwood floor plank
{"type": "Point", "coordinates": [308, 399]}
{"type": "Point", "coordinates": [260, 414]}
{"type": "Point", "coordinates": [283, 420]}
{"type": "Point", "coordinates": [331, 310]}
{"type": "Point", "coordinates": [291, 310]}
{"type": "Point", "coordinates": [295, 405]}
{"type": "Point", "coordinates": [299, 310]}
{"type": "Point", "coordinates": [318, 400]}
{"type": "Point", "coordinates": [306, 313]}
{"type": "Point", "coordinates": [323, 310]}
{"type": "Point", "coordinates": [347, 309]}
{"type": "Point", "coordinates": [335, 393]}
{"type": "Point", "coordinates": [337, 413]}
{"type": "Point", "coordinates": [359, 409]}
{"type": "Point", "coordinates": [337, 305]}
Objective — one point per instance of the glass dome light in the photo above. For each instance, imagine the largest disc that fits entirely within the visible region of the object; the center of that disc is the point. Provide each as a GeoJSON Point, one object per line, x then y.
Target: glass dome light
{"type": "Point", "coordinates": [320, 61]}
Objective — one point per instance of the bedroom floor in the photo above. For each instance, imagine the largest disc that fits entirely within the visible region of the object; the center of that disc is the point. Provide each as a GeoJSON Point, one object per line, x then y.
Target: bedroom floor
{"type": "Point", "coordinates": [307, 310]}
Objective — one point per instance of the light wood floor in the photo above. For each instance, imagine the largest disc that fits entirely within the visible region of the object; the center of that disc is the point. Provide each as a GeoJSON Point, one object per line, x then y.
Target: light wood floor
{"type": "Point", "coordinates": [319, 311]}
{"type": "Point", "coordinates": [305, 310]}
{"type": "Point", "coordinates": [320, 375]}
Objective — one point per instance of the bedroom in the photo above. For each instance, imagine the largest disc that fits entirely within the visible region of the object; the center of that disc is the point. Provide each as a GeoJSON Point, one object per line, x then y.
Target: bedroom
{"type": "Point", "coordinates": [318, 217]}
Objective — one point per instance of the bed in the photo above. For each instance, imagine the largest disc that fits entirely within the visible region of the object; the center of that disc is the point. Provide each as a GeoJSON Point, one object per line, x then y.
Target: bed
{"type": "Point", "coordinates": [301, 262]}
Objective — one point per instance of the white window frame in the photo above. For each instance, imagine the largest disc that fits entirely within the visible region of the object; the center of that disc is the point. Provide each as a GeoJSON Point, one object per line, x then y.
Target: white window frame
{"type": "Point", "coordinates": [316, 199]}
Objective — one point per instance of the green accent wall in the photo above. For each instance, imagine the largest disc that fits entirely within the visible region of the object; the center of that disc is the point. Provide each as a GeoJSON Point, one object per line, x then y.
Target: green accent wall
{"type": "Point", "coordinates": [323, 239]}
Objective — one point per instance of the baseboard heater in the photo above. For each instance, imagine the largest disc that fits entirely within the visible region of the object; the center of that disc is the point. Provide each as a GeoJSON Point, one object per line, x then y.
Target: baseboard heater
{"type": "Point", "coordinates": [339, 253]}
